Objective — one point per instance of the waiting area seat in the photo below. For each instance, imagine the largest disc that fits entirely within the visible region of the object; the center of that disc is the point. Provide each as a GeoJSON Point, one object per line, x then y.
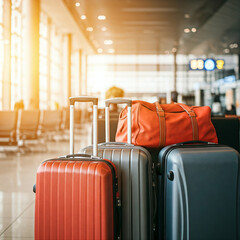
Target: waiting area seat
{"type": "Point", "coordinates": [50, 121]}
{"type": "Point", "coordinates": [8, 126]}
{"type": "Point", "coordinates": [28, 124]}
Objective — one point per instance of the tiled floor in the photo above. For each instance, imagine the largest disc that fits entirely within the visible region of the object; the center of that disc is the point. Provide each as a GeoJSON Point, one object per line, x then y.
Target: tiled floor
{"type": "Point", "coordinates": [17, 176]}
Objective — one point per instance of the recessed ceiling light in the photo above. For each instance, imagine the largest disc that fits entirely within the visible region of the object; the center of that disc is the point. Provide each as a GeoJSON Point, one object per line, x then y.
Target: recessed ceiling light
{"type": "Point", "coordinates": [77, 4]}
{"type": "Point", "coordinates": [83, 17]}
{"type": "Point", "coordinates": [104, 29]}
{"type": "Point", "coordinates": [89, 29]}
{"type": "Point", "coordinates": [101, 17]}
{"type": "Point", "coordinates": [111, 50]}
{"type": "Point", "coordinates": [186, 15]}
{"type": "Point", "coordinates": [226, 50]}
{"type": "Point", "coordinates": [194, 29]}
{"type": "Point", "coordinates": [108, 42]}
{"type": "Point", "coordinates": [233, 45]}
{"type": "Point", "coordinates": [186, 30]}
{"type": "Point", "coordinates": [99, 50]}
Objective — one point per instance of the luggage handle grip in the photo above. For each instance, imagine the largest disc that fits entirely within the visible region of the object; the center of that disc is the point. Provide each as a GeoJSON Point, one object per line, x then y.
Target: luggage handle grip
{"type": "Point", "coordinates": [115, 144]}
{"type": "Point", "coordinates": [129, 115]}
{"type": "Point", "coordinates": [78, 155]}
{"type": "Point", "coordinates": [192, 142]}
{"type": "Point", "coordinates": [118, 101]}
{"type": "Point", "coordinates": [94, 100]}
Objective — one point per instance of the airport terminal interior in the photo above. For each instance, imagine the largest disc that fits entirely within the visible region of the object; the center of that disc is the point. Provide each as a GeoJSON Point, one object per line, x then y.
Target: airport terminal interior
{"type": "Point", "coordinates": [185, 51]}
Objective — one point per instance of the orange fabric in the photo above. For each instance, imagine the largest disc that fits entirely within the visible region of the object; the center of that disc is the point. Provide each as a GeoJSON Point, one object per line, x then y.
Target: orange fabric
{"type": "Point", "coordinates": [157, 125]}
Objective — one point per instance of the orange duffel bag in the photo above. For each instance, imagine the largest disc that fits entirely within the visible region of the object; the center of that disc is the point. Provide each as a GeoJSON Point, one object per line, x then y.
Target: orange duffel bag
{"type": "Point", "coordinates": [157, 125]}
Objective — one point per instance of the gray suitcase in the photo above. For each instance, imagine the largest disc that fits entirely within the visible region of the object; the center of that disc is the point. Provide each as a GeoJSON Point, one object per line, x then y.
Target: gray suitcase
{"type": "Point", "coordinates": [198, 192]}
{"type": "Point", "coordinates": [134, 169]}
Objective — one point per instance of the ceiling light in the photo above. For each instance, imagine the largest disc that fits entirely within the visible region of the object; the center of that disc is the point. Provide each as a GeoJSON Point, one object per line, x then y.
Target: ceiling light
{"type": "Point", "coordinates": [194, 29]}
{"type": "Point", "coordinates": [186, 15]}
{"type": "Point", "coordinates": [83, 17]}
{"type": "Point", "coordinates": [233, 45]}
{"type": "Point", "coordinates": [226, 50]}
{"type": "Point", "coordinates": [101, 17]}
{"type": "Point", "coordinates": [104, 29]}
{"type": "Point", "coordinates": [186, 30]}
{"type": "Point", "coordinates": [111, 50]}
{"type": "Point", "coordinates": [89, 29]}
{"type": "Point", "coordinates": [99, 50]}
{"type": "Point", "coordinates": [108, 42]}
{"type": "Point", "coordinates": [77, 4]}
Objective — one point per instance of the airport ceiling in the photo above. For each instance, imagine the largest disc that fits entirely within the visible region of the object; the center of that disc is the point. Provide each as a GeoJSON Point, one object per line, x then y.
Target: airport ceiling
{"type": "Point", "coordinates": [160, 26]}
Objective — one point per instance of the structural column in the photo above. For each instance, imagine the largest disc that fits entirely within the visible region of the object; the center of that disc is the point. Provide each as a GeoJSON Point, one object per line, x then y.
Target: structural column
{"type": "Point", "coordinates": [80, 76]}
{"type": "Point", "coordinates": [31, 11]}
{"type": "Point", "coordinates": [69, 55]}
{"type": "Point", "coordinates": [175, 71]}
{"type": "Point", "coordinates": [49, 64]}
{"type": "Point", "coordinates": [86, 73]}
{"type": "Point", "coordinates": [6, 91]}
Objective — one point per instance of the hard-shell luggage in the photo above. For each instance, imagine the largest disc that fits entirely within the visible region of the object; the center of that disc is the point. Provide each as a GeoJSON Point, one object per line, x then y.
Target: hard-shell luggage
{"type": "Point", "coordinates": [227, 130]}
{"type": "Point", "coordinates": [157, 125]}
{"type": "Point", "coordinates": [134, 167]}
{"type": "Point", "coordinates": [198, 192]}
{"type": "Point", "coordinates": [77, 195]}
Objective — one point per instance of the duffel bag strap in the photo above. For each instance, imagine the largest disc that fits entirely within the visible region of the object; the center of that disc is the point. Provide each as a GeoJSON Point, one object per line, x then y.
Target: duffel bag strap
{"type": "Point", "coordinates": [192, 116]}
{"type": "Point", "coordinates": [162, 124]}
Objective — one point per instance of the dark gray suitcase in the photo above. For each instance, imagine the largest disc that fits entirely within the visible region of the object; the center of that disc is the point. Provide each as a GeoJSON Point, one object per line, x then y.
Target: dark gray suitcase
{"type": "Point", "coordinates": [134, 169]}
{"type": "Point", "coordinates": [198, 192]}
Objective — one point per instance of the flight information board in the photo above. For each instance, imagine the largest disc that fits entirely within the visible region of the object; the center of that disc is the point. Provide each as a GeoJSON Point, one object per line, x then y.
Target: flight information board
{"type": "Point", "coordinates": [208, 64]}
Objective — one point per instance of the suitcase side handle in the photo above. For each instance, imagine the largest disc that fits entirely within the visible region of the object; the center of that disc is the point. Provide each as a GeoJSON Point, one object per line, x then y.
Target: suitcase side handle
{"type": "Point", "coordinates": [129, 116]}
{"type": "Point", "coordinates": [94, 100]}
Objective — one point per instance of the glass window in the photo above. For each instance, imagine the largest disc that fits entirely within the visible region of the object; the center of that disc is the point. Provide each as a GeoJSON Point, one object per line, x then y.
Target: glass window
{"type": "Point", "coordinates": [1, 51]}
{"type": "Point", "coordinates": [134, 73]}
{"type": "Point", "coordinates": [56, 69]}
{"type": "Point", "coordinates": [16, 51]}
{"type": "Point", "coordinates": [43, 61]}
{"type": "Point", "coordinates": [50, 64]}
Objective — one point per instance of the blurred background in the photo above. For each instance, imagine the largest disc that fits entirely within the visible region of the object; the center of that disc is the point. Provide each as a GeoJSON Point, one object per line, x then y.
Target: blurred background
{"type": "Point", "coordinates": [155, 50]}
{"type": "Point", "coordinates": [53, 49]}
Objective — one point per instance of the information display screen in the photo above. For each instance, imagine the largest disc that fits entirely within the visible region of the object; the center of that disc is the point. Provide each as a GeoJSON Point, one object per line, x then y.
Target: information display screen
{"type": "Point", "coordinates": [208, 64]}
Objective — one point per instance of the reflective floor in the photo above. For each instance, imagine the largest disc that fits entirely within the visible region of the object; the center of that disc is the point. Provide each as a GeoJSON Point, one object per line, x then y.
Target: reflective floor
{"type": "Point", "coordinates": [17, 176]}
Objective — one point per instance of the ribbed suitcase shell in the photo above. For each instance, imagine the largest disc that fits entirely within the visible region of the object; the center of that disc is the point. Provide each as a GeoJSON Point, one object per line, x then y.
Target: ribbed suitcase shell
{"type": "Point", "coordinates": [200, 201]}
{"type": "Point", "coordinates": [74, 200]}
{"type": "Point", "coordinates": [134, 167]}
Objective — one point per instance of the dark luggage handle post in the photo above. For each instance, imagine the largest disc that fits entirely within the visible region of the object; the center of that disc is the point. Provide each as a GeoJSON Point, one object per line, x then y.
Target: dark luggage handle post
{"type": "Point", "coordinates": [94, 100]}
{"type": "Point", "coordinates": [107, 116]}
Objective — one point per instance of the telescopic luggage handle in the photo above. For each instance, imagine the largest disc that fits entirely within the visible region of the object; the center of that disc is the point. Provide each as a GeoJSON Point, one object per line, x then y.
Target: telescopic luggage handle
{"type": "Point", "coordinates": [94, 100]}
{"type": "Point", "coordinates": [129, 116]}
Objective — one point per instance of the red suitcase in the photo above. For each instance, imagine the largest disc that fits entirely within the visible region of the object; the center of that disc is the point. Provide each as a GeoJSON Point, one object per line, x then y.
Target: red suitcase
{"type": "Point", "coordinates": [76, 195]}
